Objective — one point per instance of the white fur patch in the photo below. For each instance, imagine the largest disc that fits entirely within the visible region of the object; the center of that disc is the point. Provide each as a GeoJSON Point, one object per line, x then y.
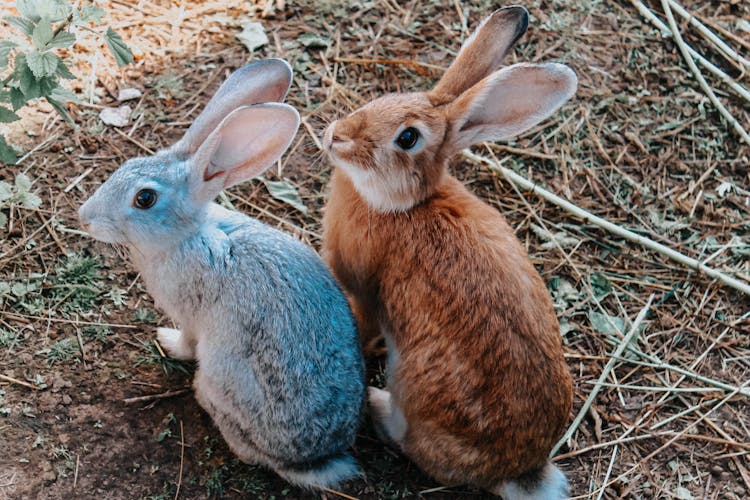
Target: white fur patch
{"type": "Point", "coordinates": [329, 475]}
{"type": "Point", "coordinates": [388, 417]}
{"type": "Point", "coordinates": [174, 342]}
{"type": "Point", "coordinates": [553, 486]}
{"type": "Point", "coordinates": [376, 190]}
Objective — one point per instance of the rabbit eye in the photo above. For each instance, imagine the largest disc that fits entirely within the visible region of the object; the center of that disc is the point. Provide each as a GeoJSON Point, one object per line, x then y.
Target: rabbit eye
{"type": "Point", "coordinates": [145, 198]}
{"type": "Point", "coordinates": [407, 138]}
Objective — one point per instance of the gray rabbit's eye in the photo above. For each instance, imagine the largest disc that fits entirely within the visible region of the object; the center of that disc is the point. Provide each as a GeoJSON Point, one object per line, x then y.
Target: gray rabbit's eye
{"type": "Point", "coordinates": [407, 138]}
{"type": "Point", "coordinates": [145, 198]}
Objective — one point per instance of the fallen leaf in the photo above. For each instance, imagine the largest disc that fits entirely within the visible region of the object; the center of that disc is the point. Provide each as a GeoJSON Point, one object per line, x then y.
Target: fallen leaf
{"type": "Point", "coordinates": [286, 192]}
{"type": "Point", "coordinates": [606, 324]}
{"type": "Point", "coordinates": [252, 36]}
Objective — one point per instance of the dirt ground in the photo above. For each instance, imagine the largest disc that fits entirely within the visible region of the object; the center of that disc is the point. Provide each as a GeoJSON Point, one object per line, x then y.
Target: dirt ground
{"type": "Point", "coordinates": [639, 145]}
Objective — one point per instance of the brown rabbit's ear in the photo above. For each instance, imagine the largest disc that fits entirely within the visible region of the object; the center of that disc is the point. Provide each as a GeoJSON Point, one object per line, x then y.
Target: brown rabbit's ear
{"type": "Point", "coordinates": [248, 141]}
{"type": "Point", "coordinates": [482, 52]}
{"type": "Point", "coordinates": [509, 102]}
{"type": "Point", "coordinates": [262, 81]}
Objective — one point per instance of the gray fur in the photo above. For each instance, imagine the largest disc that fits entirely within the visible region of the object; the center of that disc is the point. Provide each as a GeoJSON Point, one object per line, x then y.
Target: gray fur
{"type": "Point", "coordinates": [279, 366]}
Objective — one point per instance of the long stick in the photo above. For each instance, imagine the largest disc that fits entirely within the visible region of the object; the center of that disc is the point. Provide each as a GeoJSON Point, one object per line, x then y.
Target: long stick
{"type": "Point", "coordinates": [605, 373]}
{"type": "Point", "coordinates": [613, 228]}
{"type": "Point", "coordinates": [710, 35]}
{"type": "Point", "coordinates": [685, 50]}
{"type": "Point", "coordinates": [645, 12]}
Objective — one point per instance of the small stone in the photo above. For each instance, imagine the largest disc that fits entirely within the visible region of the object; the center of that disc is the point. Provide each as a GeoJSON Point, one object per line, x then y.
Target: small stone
{"type": "Point", "coordinates": [117, 117]}
{"type": "Point", "coordinates": [66, 400]}
{"type": "Point", "coordinates": [716, 470]}
{"type": "Point", "coordinates": [128, 94]}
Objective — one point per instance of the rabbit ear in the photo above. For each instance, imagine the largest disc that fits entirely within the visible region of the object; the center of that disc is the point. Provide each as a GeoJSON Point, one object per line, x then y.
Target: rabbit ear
{"type": "Point", "coordinates": [482, 52]}
{"type": "Point", "coordinates": [261, 81]}
{"type": "Point", "coordinates": [510, 101]}
{"type": "Point", "coordinates": [248, 141]}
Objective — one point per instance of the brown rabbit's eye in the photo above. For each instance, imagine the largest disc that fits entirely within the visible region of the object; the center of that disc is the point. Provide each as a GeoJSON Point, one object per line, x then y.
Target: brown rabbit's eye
{"type": "Point", "coordinates": [407, 138]}
{"type": "Point", "coordinates": [145, 198]}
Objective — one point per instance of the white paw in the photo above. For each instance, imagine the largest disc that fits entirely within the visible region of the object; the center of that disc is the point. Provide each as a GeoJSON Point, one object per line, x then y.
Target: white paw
{"type": "Point", "coordinates": [174, 343]}
{"type": "Point", "coordinates": [390, 424]}
{"type": "Point", "coordinates": [380, 402]}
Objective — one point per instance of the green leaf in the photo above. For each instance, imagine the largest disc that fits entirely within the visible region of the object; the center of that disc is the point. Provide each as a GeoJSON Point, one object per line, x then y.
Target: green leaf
{"type": "Point", "coordinates": [61, 109]}
{"type": "Point", "coordinates": [3, 222]}
{"type": "Point", "coordinates": [7, 116]}
{"type": "Point", "coordinates": [122, 53]}
{"type": "Point", "coordinates": [90, 13]}
{"type": "Point", "coordinates": [61, 94]}
{"type": "Point", "coordinates": [314, 41]}
{"type": "Point", "coordinates": [23, 183]}
{"type": "Point", "coordinates": [5, 47]}
{"type": "Point", "coordinates": [603, 323]}
{"type": "Point", "coordinates": [27, 8]}
{"type": "Point", "coordinates": [286, 192]}
{"type": "Point", "coordinates": [25, 79]}
{"type": "Point", "coordinates": [49, 10]}
{"type": "Point", "coordinates": [42, 34]}
{"type": "Point", "coordinates": [25, 26]}
{"type": "Point", "coordinates": [17, 99]}
{"type": "Point", "coordinates": [600, 285]}
{"type": "Point", "coordinates": [7, 153]}
{"type": "Point", "coordinates": [62, 40]}
{"type": "Point", "coordinates": [42, 63]}
{"type": "Point", "coordinates": [6, 191]}
{"type": "Point", "coordinates": [29, 200]}
{"type": "Point", "coordinates": [47, 86]}
{"type": "Point", "coordinates": [64, 72]}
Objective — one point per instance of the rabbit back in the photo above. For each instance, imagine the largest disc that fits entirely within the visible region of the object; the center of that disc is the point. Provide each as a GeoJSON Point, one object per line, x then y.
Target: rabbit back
{"type": "Point", "coordinates": [480, 375]}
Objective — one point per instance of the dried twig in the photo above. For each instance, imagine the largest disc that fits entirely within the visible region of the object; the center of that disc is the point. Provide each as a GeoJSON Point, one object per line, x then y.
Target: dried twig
{"type": "Point", "coordinates": [19, 382]}
{"type": "Point", "coordinates": [182, 461]}
{"type": "Point", "coordinates": [731, 54]}
{"type": "Point", "coordinates": [613, 228]}
{"type": "Point", "coordinates": [154, 397]}
{"type": "Point", "coordinates": [699, 76]}
{"type": "Point", "coordinates": [739, 89]}
{"type": "Point", "coordinates": [605, 373]}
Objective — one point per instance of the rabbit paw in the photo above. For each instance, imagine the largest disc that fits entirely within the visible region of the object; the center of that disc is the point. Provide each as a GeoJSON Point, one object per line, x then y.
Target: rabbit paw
{"type": "Point", "coordinates": [390, 424]}
{"type": "Point", "coordinates": [175, 343]}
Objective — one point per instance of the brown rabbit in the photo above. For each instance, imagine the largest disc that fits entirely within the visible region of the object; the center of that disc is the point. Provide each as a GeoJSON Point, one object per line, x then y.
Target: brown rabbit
{"type": "Point", "coordinates": [478, 390]}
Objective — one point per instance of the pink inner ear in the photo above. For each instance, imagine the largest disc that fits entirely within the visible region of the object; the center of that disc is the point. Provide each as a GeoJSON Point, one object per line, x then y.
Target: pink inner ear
{"type": "Point", "coordinates": [247, 142]}
{"type": "Point", "coordinates": [262, 81]}
{"type": "Point", "coordinates": [512, 100]}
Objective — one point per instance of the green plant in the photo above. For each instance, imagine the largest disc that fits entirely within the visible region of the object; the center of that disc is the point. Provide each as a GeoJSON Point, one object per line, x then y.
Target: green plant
{"type": "Point", "coordinates": [61, 351]}
{"type": "Point", "coordinates": [46, 27]}
{"type": "Point", "coordinates": [17, 194]}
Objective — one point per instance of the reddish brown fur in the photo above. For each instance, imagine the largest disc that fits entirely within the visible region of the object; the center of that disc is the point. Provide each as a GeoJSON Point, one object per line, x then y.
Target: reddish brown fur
{"type": "Point", "coordinates": [481, 378]}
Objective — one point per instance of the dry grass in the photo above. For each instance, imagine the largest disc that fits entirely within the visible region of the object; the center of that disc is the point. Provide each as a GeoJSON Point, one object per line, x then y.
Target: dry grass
{"type": "Point", "coordinates": [640, 145]}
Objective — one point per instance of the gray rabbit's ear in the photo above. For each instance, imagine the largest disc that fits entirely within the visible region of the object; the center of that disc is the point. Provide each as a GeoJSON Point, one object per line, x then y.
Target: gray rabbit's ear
{"type": "Point", "coordinates": [248, 141]}
{"type": "Point", "coordinates": [258, 82]}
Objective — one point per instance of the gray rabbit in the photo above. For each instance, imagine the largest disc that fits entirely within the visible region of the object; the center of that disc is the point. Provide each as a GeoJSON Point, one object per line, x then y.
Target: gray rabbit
{"type": "Point", "coordinates": [279, 366]}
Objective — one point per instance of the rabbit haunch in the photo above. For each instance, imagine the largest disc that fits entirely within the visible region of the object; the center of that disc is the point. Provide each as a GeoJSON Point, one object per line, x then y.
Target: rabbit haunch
{"type": "Point", "coordinates": [478, 390]}
{"type": "Point", "coordinates": [279, 366]}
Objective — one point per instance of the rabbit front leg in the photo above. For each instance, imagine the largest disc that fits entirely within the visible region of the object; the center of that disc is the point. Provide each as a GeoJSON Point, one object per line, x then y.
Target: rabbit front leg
{"type": "Point", "coordinates": [178, 344]}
